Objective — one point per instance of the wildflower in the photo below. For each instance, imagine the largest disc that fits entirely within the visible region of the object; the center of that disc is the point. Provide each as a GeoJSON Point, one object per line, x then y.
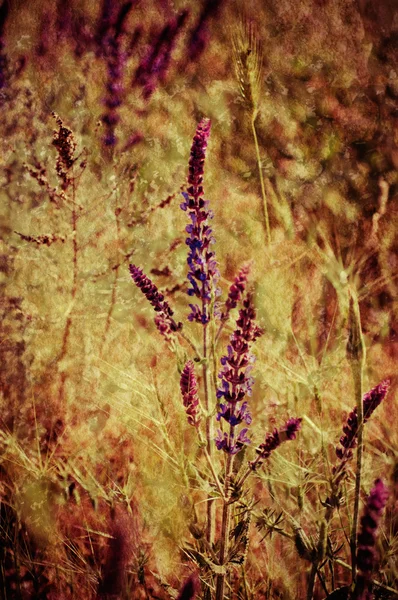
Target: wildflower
{"type": "Point", "coordinates": [230, 444]}
{"type": "Point", "coordinates": [203, 273]}
{"type": "Point", "coordinates": [371, 401]}
{"type": "Point", "coordinates": [235, 377]}
{"type": "Point", "coordinates": [154, 66]}
{"type": "Point", "coordinates": [275, 439]}
{"type": "Point", "coordinates": [189, 392]}
{"type": "Point", "coordinates": [110, 34]}
{"type": "Point", "coordinates": [236, 381]}
{"type": "Point", "coordinates": [190, 589]}
{"type": "Point", "coordinates": [366, 553]}
{"type": "Point", "coordinates": [164, 321]}
{"type": "Point", "coordinates": [199, 35]}
{"type": "Point", "coordinates": [236, 290]}
{"type": "Point", "coordinates": [4, 8]}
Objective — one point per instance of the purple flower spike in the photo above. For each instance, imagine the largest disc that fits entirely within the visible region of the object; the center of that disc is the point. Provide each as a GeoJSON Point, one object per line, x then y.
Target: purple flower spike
{"type": "Point", "coordinates": [164, 321]}
{"type": "Point", "coordinates": [366, 553]}
{"type": "Point", "coordinates": [236, 290]}
{"type": "Point", "coordinates": [190, 589]}
{"type": "Point", "coordinates": [203, 274]}
{"type": "Point", "coordinates": [371, 401]}
{"type": "Point", "coordinates": [189, 392]}
{"type": "Point", "coordinates": [236, 381]}
{"type": "Point", "coordinates": [275, 439]}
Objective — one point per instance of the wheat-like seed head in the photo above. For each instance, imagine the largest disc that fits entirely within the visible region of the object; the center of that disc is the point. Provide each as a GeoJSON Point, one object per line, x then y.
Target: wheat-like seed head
{"type": "Point", "coordinates": [248, 63]}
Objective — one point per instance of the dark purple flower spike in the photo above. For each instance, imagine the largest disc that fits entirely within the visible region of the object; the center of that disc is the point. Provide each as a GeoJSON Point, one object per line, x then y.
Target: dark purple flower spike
{"type": "Point", "coordinates": [203, 274]}
{"type": "Point", "coordinates": [164, 319]}
{"type": "Point", "coordinates": [190, 589]}
{"type": "Point", "coordinates": [366, 553]}
{"type": "Point", "coordinates": [236, 290]}
{"type": "Point", "coordinates": [275, 439]}
{"type": "Point", "coordinates": [189, 392]}
{"type": "Point", "coordinates": [371, 401]}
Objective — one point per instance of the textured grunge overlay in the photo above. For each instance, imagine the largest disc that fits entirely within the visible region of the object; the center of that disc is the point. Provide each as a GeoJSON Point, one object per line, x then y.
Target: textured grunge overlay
{"type": "Point", "coordinates": [198, 299]}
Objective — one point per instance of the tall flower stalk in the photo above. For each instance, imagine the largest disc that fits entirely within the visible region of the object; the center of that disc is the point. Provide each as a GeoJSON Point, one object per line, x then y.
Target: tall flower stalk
{"type": "Point", "coordinates": [236, 384]}
{"type": "Point", "coordinates": [356, 356]}
{"type": "Point", "coordinates": [366, 554]}
{"type": "Point", "coordinates": [203, 273]}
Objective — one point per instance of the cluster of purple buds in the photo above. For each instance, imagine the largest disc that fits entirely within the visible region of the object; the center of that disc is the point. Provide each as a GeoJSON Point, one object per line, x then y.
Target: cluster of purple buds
{"type": "Point", "coordinates": [190, 588]}
{"type": "Point", "coordinates": [366, 553]}
{"type": "Point", "coordinates": [236, 290]}
{"type": "Point", "coordinates": [370, 402]}
{"type": "Point", "coordinates": [164, 320]}
{"type": "Point", "coordinates": [236, 381]}
{"type": "Point", "coordinates": [203, 273]}
{"type": "Point", "coordinates": [115, 56]}
{"type": "Point", "coordinates": [200, 35]}
{"type": "Point", "coordinates": [3, 57]}
{"type": "Point", "coordinates": [275, 439]}
{"type": "Point", "coordinates": [154, 66]}
{"type": "Point", "coordinates": [189, 392]}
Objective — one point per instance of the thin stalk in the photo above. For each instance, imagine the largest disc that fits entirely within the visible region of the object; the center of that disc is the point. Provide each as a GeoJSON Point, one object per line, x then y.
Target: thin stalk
{"type": "Point", "coordinates": [260, 171]}
{"type": "Point", "coordinates": [225, 525]}
{"type": "Point", "coordinates": [212, 469]}
{"type": "Point", "coordinates": [209, 434]}
{"type": "Point", "coordinates": [114, 284]}
{"type": "Point", "coordinates": [357, 372]}
{"type": "Point", "coordinates": [355, 352]}
{"type": "Point", "coordinates": [378, 584]}
{"type": "Point", "coordinates": [311, 583]}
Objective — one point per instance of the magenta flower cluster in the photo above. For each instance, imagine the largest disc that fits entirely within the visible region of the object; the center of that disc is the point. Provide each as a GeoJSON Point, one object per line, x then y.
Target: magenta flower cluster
{"type": "Point", "coordinates": [275, 439]}
{"type": "Point", "coordinates": [164, 319]}
{"type": "Point", "coordinates": [371, 401]}
{"type": "Point", "coordinates": [236, 381]}
{"type": "Point", "coordinates": [366, 553]}
{"type": "Point", "coordinates": [203, 273]}
{"type": "Point", "coordinates": [236, 290]}
{"type": "Point", "coordinates": [189, 392]}
{"type": "Point", "coordinates": [155, 64]}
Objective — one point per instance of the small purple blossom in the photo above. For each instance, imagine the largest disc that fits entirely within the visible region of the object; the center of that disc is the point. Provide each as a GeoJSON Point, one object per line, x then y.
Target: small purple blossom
{"type": "Point", "coordinates": [164, 321]}
{"type": "Point", "coordinates": [189, 392]}
{"type": "Point", "coordinates": [371, 401]}
{"type": "Point", "coordinates": [203, 273]}
{"type": "Point", "coordinates": [275, 439]}
{"type": "Point", "coordinates": [230, 444]}
{"type": "Point", "coordinates": [234, 417]}
{"type": "Point", "coordinates": [366, 553]}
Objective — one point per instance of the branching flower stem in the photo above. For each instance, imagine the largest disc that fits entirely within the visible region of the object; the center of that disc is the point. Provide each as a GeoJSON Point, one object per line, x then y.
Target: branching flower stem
{"type": "Point", "coordinates": [225, 524]}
